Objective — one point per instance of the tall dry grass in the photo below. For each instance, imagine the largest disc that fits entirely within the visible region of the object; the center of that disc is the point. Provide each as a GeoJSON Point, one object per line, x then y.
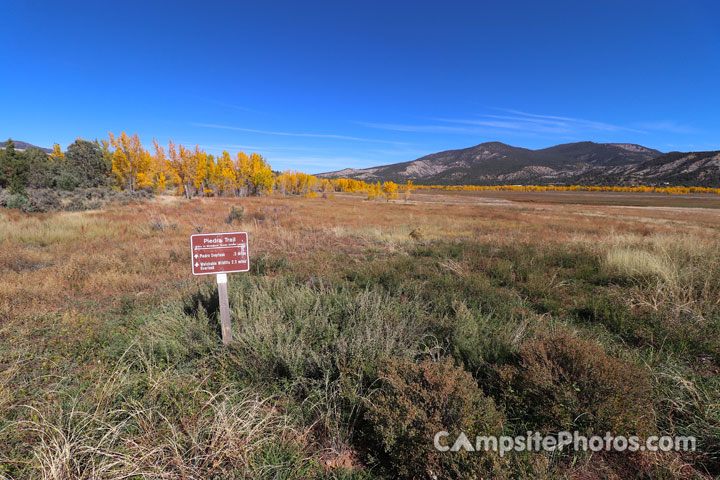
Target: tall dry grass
{"type": "Point", "coordinates": [674, 273]}
{"type": "Point", "coordinates": [212, 434]}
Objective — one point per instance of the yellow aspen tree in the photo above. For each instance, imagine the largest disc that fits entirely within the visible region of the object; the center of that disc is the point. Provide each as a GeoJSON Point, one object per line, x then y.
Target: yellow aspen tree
{"type": "Point", "coordinates": [297, 182]}
{"type": "Point", "coordinates": [189, 165]}
{"type": "Point", "coordinates": [308, 183]}
{"type": "Point", "coordinates": [130, 162]}
{"type": "Point", "coordinates": [374, 191]}
{"type": "Point", "coordinates": [213, 176]}
{"type": "Point", "coordinates": [379, 190]}
{"type": "Point", "coordinates": [284, 182]}
{"type": "Point", "coordinates": [183, 167]}
{"type": "Point", "coordinates": [350, 185]}
{"type": "Point", "coordinates": [175, 168]}
{"type": "Point", "coordinates": [390, 190]}
{"type": "Point", "coordinates": [161, 171]}
{"type": "Point", "coordinates": [226, 174]}
{"type": "Point", "coordinates": [171, 162]}
{"type": "Point", "coordinates": [145, 174]}
{"type": "Point", "coordinates": [204, 171]}
{"type": "Point", "coordinates": [326, 186]}
{"type": "Point", "coordinates": [57, 154]}
{"type": "Point", "coordinates": [242, 174]}
{"type": "Point", "coordinates": [201, 170]}
{"type": "Point", "coordinates": [261, 176]}
{"type": "Point", "coordinates": [406, 192]}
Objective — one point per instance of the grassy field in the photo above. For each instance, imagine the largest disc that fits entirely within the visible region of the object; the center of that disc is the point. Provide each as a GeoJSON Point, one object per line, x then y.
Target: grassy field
{"type": "Point", "coordinates": [637, 199]}
{"type": "Point", "coordinates": [361, 330]}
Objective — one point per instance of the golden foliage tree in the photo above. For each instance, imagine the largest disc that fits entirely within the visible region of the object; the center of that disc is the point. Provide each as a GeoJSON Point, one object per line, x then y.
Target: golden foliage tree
{"type": "Point", "coordinates": [406, 191]}
{"type": "Point", "coordinates": [242, 173]}
{"type": "Point", "coordinates": [226, 174]}
{"type": "Point", "coordinates": [161, 171]}
{"type": "Point", "coordinates": [261, 177]}
{"type": "Point", "coordinates": [130, 162]}
{"type": "Point", "coordinates": [57, 154]}
{"type": "Point", "coordinates": [203, 167]}
{"type": "Point", "coordinates": [390, 190]}
{"type": "Point", "coordinates": [183, 167]}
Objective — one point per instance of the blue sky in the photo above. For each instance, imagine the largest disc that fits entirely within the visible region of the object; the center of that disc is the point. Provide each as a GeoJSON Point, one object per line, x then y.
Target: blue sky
{"type": "Point", "coordinates": [319, 86]}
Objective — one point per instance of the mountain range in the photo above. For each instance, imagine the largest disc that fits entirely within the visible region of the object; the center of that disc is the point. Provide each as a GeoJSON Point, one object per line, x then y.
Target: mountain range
{"type": "Point", "coordinates": [585, 163]}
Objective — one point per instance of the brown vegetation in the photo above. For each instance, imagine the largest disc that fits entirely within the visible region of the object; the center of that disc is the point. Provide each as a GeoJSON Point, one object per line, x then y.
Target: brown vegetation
{"type": "Point", "coordinates": [110, 363]}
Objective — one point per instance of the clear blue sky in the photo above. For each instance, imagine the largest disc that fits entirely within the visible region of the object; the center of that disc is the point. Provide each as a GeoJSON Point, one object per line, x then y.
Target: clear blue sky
{"type": "Point", "coordinates": [320, 86]}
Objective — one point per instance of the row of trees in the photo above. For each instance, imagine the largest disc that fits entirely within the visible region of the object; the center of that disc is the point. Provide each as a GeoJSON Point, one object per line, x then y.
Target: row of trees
{"type": "Point", "coordinates": [190, 172]}
{"type": "Point", "coordinates": [123, 162]}
{"type": "Point", "coordinates": [193, 172]}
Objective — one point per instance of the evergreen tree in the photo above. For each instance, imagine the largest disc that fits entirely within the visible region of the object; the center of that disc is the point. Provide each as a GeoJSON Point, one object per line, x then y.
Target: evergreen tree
{"type": "Point", "coordinates": [14, 168]}
{"type": "Point", "coordinates": [85, 161]}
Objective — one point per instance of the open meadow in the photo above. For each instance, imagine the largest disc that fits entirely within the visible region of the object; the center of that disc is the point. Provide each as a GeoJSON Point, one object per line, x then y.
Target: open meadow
{"type": "Point", "coordinates": [362, 329]}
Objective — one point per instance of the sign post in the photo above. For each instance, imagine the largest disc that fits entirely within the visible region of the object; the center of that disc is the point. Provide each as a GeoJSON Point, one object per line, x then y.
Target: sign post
{"type": "Point", "coordinates": [224, 308]}
{"type": "Point", "coordinates": [220, 254]}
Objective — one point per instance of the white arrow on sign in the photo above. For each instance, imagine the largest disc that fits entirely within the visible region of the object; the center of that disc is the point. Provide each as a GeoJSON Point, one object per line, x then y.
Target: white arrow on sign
{"type": "Point", "coordinates": [197, 264]}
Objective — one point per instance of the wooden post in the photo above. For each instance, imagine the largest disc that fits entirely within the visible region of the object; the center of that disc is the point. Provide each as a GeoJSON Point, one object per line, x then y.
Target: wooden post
{"type": "Point", "coordinates": [224, 308]}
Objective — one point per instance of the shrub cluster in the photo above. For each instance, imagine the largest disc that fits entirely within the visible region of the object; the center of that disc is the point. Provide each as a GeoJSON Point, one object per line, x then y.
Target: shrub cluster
{"type": "Point", "coordinates": [561, 382]}
{"type": "Point", "coordinates": [235, 215]}
{"type": "Point", "coordinates": [45, 199]}
{"type": "Point", "coordinates": [416, 401]}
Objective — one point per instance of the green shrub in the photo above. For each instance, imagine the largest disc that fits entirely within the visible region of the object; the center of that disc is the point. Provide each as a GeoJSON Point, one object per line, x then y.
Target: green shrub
{"type": "Point", "coordinates": [44, 200]}
{"type": "Point", "coordinates": [298, 332]}
{"type": "Point", "coordinates": [76, 204]}
{"type": "Point", "coordinates": [265, 264]}
{"type": "Point", "coordinates": [564, 383]}
{"type": "Point", "coordinates": [690, 406]}
{"type": "Point", "coordinates": [67, 181]}
{"type": "Point", "coordinates": [480, 341]}
{"type": "Point", "coordinates": [418, 400]}
{"type": "Point", "coordinates": [235, 215]}
{"type": "Point", "coordinates": [18, 201]}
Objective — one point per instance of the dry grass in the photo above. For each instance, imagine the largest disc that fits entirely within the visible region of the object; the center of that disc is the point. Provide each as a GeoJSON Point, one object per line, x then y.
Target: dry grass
{"type": "Point", "coordinates": [227, 433]}
{"type": "Point", "coordinates": [66, 279]}
{"type": "Point", "coordinates": [114, 252]}
{"type": "Point", "coordinates": [640, 263]}
{"type": "Point", "coordinates": [676, 272]}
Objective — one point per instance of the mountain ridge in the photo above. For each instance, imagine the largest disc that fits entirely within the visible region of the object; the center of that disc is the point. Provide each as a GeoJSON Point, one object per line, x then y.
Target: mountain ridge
{"type": "Point", "coordinates": [21, 146]}
{"type": "Point", "coordinates": [588, 162]}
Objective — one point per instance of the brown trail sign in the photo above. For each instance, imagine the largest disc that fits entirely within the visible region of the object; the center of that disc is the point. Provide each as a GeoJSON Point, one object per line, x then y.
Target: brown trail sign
{"type": "Point", "coordinates": [220, 254]}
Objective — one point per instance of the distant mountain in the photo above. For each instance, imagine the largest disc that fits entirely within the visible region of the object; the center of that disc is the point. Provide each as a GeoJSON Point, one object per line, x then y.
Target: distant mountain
{"type": "Point", "coordinates": [605, 154]}
{"type": "Point", "coordinates": [701, 169]}
{"type": "Point", "coordinates": [495, 162]}
{"type": "Point", "coordinates": [24, 146]}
